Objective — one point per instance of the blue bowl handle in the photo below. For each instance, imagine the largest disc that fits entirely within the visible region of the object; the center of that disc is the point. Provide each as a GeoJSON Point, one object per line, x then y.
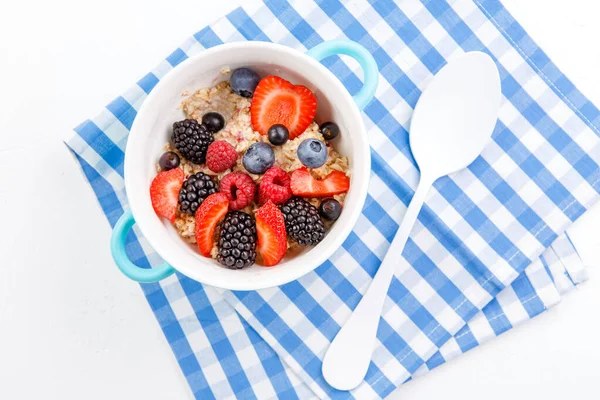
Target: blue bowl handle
{"type": "Point", "coordinates": [360, 54]}
{"type": "Point", "coordinates": [132, 271]}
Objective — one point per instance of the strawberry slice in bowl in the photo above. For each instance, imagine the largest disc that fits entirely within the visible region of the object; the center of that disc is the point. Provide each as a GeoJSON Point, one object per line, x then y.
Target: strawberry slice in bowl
{"type": "Point", "coordinates": [164, 192]}
{"type": "Point", "coordinates": [303, 184]}
{"type": "Point", "coordinates": [209, 214]}
{"type": "Point", "coordinates": [277, 101]}
{"type": "Point", "coordinates": [271, 234]}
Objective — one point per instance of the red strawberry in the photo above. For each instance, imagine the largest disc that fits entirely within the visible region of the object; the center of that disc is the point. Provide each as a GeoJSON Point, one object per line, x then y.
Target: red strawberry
{"type": "Point", "coordinates": [220, 156]}
{"type": "Point", "coordinates": [211, 211]}
{"type": "Point", "coordinates": [303, 184]}
{"type": "Point", "coordinates": [270, 229]}
{"type": "Point", "coordinates": [274, 186]}
{"type": "Point", "coordinates": [164, 192]}
{"type": "Point", "coordinates": [277, 101]}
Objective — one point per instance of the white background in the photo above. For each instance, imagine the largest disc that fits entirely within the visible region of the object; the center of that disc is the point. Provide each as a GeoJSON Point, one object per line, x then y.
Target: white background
{"type": "Point", "coordinates": [72, 327]}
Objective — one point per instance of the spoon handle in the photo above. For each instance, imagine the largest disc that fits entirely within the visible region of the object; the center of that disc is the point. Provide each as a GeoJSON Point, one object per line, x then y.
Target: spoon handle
{"type": "Point", "coordinates": [348, 357]}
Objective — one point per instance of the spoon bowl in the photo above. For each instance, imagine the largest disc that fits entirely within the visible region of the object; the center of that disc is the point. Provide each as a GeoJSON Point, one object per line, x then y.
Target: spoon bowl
{"type": "Point", "coordinates": [453, 120]}
{"type": "Point", "coordinates": [456, 114]}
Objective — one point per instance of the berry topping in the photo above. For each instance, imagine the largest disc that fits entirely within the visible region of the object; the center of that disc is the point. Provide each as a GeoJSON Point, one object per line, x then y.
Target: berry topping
{"type": "Point", "coordinates": [330, 209]}
{"type": "Point", "coordinates": [210, 212]}
{"type": "Point", "coordinates": [258, 158]}
{"type": "Point", "coordinates": [239, 189]}
{"type": "Point", "coordinates": [243, 81]}
{"type": "Point", "coordinates": [213, 121]}
{"type": "Point", "coordinates": [278, 134]}
{"type": "Point", "coordinates": [270, 229]}
{"type": "Point", "coordinates": [303, 184]}
{"type": "Point", "coordinates": [191, 139]}
{"type": "Point", "coordinates": [274, 186]}
{"type": "Point", "coordinates": [168, 160]}
{"type": "Point", "coordinates": [237, 240]}
{"type": "Point", "coordinates": [329, 130]}
{"type": "Point", "coordinates": [312, 153]}
{"type": "Point", "coordinates": [164, 190]}
{"type": "Point", "coordinates": [195, 189]}
{"type": "Point", "coordinates": [277, 101]}
{"type": "Point", "coordinates": [302, 222]}
{"type": "Point", "coordinates": [220, 156]}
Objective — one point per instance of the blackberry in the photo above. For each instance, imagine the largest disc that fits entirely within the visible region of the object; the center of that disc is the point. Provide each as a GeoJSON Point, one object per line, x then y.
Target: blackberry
{"type": "Point", "coordinates": [237, 241]}
{"type": "Point", "coordinates": [302, 221]}
{"type": "Point", "coordinates": [192, 140]}
{"type": "Point", "coordinates": [195, 189]}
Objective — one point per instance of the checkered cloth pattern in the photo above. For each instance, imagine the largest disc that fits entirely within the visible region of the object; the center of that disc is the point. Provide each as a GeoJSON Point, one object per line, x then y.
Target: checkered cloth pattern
{"type": "Point", "coordinates": [488, 251]}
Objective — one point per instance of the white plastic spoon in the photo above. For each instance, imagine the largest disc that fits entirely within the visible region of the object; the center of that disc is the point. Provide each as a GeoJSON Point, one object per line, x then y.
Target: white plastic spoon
{"type": "Point", "coordinates": [453, 120]}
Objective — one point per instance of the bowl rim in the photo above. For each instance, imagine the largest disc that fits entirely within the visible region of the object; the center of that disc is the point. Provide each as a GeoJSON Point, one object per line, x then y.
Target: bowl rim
{"type": "Point", "coordinates": [270, 280]}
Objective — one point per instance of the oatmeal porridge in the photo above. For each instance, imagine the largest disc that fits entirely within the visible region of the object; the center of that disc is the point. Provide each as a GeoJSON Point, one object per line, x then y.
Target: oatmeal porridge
{"type": "Point", "coordinates": [253, 173]}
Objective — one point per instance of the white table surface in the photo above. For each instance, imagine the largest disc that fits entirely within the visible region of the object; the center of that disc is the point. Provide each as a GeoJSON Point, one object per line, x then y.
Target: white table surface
{"type": "Point", "coordinates": [72, 327]}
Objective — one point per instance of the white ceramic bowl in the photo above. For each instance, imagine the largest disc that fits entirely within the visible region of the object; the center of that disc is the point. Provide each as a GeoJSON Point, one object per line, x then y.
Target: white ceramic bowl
{"type": "Point", "coordinates": [152, 129]}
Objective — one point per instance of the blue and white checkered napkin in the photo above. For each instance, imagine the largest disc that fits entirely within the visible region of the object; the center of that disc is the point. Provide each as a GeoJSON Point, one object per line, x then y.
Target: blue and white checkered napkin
{"type": "Point", "coordinates": [489, 247]}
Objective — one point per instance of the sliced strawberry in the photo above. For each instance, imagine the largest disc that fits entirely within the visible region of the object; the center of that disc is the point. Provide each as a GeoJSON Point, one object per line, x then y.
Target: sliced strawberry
{"type": "Point", "coordinates": [164, 192]}
{"type": "Point", "coordinates": [270, 229]}
{"type": "Point", "coordinates": [211, 211]}
{"type": "Point", "coordinates": [277, 101]}
{"type": "Point", "coordinates": [303, 184]}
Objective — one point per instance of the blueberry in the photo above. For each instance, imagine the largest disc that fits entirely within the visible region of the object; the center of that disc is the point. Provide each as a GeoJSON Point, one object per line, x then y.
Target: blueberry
{"type": "Point", "coordinates": [243, 81]}
{"type": "Point", "coordinates": [213, 121]}
{"type": "Point", "coordinates": [312, 153]}
{"type": "Point", "coordinates": [168, 160]}
{"type": "Point", "coordinates": [329, 130]}
{"type": "Point", "coordinates": [278, 134]}
{"type": "Point", "coordinates": [258, 158]}
{"type": "Point", "coordinates": [330, 209]}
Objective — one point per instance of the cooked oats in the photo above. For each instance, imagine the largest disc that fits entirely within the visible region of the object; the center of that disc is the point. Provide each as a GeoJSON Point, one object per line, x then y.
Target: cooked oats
{"type": "Point", "coordinates": [239, 133]}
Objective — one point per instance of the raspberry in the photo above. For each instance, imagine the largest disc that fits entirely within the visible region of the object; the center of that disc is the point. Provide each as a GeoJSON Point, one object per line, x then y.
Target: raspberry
{"type": "Point", "coordinates": [239, 189]}
{"type": "Point", "coordinates": [275, 186]}
{"type": "Point", "coordinates": [220, 156]}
